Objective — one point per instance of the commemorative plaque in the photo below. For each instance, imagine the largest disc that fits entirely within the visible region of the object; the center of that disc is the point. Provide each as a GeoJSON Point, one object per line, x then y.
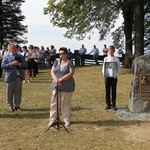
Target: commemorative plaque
{"type": "Point", "coordinates": [145, 86]}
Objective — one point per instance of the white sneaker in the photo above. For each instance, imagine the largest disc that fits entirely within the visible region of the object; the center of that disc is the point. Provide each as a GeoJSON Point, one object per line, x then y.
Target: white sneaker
{"type": "Point", "coordinates": [24, 81]}
{"type": "Point", "coordinates": [67, 124]}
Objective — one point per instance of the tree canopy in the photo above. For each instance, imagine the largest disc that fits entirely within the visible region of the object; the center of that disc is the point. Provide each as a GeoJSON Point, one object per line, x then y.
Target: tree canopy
{"type": "Point", "coordinates": [80, 17]}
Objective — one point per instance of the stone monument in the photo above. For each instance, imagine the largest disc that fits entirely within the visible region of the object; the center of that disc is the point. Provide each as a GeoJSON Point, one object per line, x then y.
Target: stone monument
{"type": "Point", "coordinates": [140, 89]}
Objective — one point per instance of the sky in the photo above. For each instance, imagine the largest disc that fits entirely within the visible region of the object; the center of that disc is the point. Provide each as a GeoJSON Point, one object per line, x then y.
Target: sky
{"type": "Point", "coordinates": [42, 33]}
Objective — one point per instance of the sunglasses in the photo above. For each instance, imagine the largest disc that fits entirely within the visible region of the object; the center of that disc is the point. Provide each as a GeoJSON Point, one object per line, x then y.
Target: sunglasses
{"type": "Point", "coordinates": [62, 53]}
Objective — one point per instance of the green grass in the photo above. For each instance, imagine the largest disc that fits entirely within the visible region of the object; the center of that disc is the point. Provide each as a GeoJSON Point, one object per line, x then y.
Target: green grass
{"type": "Point", "coordinates": [92, 128]}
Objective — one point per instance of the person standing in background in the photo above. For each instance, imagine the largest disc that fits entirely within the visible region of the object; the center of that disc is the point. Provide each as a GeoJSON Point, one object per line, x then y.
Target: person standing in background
{"type": "Point", "coordinates": [42, 57]}
{"type": "Point", "coordinates": [105, 51]}
{"type": "Point", "coordinates": [82, 52]}
{"type": "Point", "coordinates": [30, 60]}
{"type": "Point", "coordinates": [52, 55]}
{"type": "Point", "coordinates": [3, 52]}
{"type": "Point", "coordinates": [13, 64]}
{"type": "Point", "coordinates": [69, 54]}
{"type": "Point", "coordinates": [24, 54]}
{"type": "Point", "coordinates": [95, 52]}
{"type": "Point", "coordinates": [35, 55]}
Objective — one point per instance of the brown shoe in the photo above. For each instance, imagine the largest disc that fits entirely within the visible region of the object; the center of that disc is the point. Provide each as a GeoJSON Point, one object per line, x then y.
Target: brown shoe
{"type": "Point", "coordinates": [11, 109]}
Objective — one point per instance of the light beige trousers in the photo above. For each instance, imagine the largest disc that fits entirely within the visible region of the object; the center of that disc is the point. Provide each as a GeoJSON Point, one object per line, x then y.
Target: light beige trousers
{"type": "Point", "coordinates": [64, 104]}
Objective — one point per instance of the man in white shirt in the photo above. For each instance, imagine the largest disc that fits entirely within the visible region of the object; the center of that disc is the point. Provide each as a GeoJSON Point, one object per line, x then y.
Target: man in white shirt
{"type": "Point", "coordinates": [113, 63]}
{"type": "Point", "coordinates": [105, 51]}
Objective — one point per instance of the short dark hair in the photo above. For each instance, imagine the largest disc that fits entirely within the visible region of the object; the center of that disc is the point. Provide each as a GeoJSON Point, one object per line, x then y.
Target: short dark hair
{"type": "Point", "coordinates": [31, 47]}
{"type": "Point", "coordinates": [63, 49]}
{"type": "Point", "coordinates": [24, 47]}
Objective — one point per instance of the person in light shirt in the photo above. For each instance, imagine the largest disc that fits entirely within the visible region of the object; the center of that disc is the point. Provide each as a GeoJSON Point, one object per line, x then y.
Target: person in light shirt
{"type": "Point", "coordinates": [82, 52]}
{"type": "Point", "coordinates": [105, 51]}
{"type": "Point", "coordinates": [95, 52]}
{"type": "Point", "coordinates": [111, 78]}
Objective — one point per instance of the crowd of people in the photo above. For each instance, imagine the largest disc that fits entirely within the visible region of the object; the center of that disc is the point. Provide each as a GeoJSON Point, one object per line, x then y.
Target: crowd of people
{"type": "Point", "coordinates": [42, 57]}
{"type": "Point", "coordinates": [19, 61]}
{"type": "Point", "coordinates": [95, 51]}
{"type": "Point", "coordinates": [35, 57]}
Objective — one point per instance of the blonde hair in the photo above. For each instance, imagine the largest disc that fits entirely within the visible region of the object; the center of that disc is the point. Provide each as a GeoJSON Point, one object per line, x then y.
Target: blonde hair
{"type": "Point", "coordinates": [112, 47]}
{"type": "Point", "coordinates": [10, 45]}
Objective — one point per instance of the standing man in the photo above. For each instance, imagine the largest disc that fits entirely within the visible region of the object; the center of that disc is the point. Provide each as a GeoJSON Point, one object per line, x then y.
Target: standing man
{"type": "Point", "coordinates": [111, 81]}
{"type": "Point", "coordinates": [95, 51]}
{"type": "Point", "coordinates": [105, 51]}
{"type": "Point", "coordinates": [14, 64]}
{"type": "Point", "coordinates": [69, 54]}
{"type": "Point", "coordinates": [82, 52]}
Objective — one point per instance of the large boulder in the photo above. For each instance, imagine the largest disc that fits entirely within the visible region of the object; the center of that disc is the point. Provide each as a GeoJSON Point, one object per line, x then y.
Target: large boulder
{"type": "Point", "coordinates": [141, 65]}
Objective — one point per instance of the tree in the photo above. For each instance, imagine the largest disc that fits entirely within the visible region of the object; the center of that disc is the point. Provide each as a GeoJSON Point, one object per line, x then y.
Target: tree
{"type": "Point", "coordinates": [11, 28]}
{"type": "Point", "coordinates": [139, 28]}
{"type": "Point", "coordinates": [127, 11]}
{"type": "Point", "coordinates": [81, 16]}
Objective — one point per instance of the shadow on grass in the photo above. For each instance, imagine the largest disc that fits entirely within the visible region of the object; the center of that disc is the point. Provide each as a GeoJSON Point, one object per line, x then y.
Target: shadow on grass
{"type": "Point", "coordinates": [32, 113]}
{"type": "Point", "coordinates": [41, 81]}
{"type": "Point", "coordinates": [110, 122]}
{"type": "Point", "coordinates": [23, 116]}
{"type": "Point", "coordinates": [43, 113]}
{"type": "Point", "coordinates": [36, 109]}
{"type": "Point", "coordinates": [79, 108]}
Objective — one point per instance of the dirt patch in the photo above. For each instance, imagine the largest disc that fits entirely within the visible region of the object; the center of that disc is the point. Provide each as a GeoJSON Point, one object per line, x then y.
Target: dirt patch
{"type": "Point", "coordinates": [137, 133]}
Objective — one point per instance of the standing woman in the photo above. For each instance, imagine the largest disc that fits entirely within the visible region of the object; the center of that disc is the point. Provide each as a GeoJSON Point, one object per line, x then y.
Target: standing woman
{"type": "Point", "coordinates": [62, 73]}
{"type": "Point", "coordinates": [30, 60]}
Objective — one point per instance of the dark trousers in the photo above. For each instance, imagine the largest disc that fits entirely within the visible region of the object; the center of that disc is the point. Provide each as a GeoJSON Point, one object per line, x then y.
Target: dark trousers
{"type": "Point", "coordinates": [35, 68]}
{"type": "Point", "coordinates": [95, 57]}
{"type": "Point", "coordinates": [110, 88]}
{"type": "Point", "coordinates": [82, 59]}
{"type": "Point", "coordinates": [52, 59]}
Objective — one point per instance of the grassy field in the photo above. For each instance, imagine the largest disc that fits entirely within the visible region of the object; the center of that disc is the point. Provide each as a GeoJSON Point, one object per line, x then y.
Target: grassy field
{"type": "Point", "coordinates": [92, 128]}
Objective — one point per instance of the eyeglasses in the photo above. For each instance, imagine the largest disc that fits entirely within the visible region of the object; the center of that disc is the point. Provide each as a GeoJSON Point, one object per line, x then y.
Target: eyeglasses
{"type": "Point", "coordinates": [62, 53]}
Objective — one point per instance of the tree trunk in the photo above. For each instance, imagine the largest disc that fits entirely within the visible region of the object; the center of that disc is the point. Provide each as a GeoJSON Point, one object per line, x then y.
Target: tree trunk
{"type": "Point", "coordinates": [128, 20]}
{"type": "Point", "coordinates": [139, 28]}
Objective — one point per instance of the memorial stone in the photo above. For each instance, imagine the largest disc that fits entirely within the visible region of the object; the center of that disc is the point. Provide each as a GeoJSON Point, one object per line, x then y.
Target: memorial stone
{"type": "Point", "coordinates": [140, 87]}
